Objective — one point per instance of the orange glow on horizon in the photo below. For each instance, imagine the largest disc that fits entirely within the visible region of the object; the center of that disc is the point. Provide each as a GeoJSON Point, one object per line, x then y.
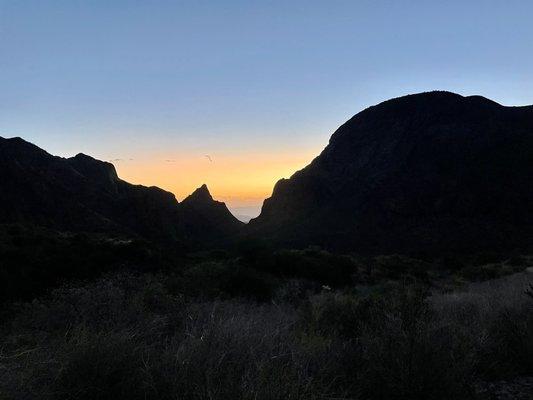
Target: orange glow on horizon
{"type": "Point", "coordinates": [239, 180]}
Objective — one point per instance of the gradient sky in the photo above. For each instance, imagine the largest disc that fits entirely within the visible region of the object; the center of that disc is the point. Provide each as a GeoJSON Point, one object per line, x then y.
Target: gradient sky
{"type": "Point", "coordinates": [259, 86]}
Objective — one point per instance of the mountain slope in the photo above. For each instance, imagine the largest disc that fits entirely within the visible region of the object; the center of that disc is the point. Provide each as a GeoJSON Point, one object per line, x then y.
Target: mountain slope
{"type": "Point", "coordinates": [209, 216]}
{"type": "Point", "coordinates": [428, 172]}
{"type": "Point", "coordinates": [85, 194]}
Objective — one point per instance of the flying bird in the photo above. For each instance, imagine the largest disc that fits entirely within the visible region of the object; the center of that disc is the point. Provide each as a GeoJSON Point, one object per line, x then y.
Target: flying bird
{"type": "Point", "coordinates": [209, 157]}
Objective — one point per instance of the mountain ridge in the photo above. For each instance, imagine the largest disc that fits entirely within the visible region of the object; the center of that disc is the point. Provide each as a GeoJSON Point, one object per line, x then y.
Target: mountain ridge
{"type": "Point", "coordinates": [82, 193]}
{"type": "Point", "coordinates": [426, 172]}
{"type": "Point", "coordinates": [425, 161]}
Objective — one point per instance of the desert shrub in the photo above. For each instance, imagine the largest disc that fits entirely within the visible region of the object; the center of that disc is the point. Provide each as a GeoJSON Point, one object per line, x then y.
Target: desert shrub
{"type": "Point", "coordinates": [315, 265]}
{"type": "Point", "coordinates": [35, 260]}
{"type": "Point", "coordinates": [335, 314]}
{"type": "Point", "coordinates": [227, 279]}
{"type": "Point", "coordinates": [295, 291]}
{"type": "Point", "coordinates": [454, 263]}
{"type": "Point", "coordinates": [105, 365]}
{"type": "Point", "coordinates": [80, 365]}
{"type": "Point", "coordinates": [493, 322]}
{"type": "Point", "coordinates": [407, 354]}
{"type": "Point", "coordinates": [517, 261]}
{"type": "Point", "coordinates": [508, 350]}
{"type": "Point", "coordinates": [396, 267]}
{"type": "Point", "coordinates": [122, 304]}
{"type": "Point", "coordinates": [485, 258]}
{"type": "Point", "coordinates": [484, 272]}
{"type": "Point", "coordinates": [87, 341]}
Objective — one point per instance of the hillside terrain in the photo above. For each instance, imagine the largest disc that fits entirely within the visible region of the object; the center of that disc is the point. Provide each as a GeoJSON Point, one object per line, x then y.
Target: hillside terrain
{"type": "Point", "coordinates": [82, 194]}
{"type": "Point", "coordinates": [431, 172]}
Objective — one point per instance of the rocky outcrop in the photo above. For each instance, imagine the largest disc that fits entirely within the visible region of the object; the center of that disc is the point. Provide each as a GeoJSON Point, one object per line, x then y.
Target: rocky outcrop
{"type": "Point", "coordinates": [209, 216]}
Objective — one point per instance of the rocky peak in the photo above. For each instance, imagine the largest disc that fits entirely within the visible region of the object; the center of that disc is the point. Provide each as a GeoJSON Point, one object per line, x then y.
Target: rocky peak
{"type": "Point", "coordinates": [201, 214]}
{"type": "Point", "coordinates": [199, 196]}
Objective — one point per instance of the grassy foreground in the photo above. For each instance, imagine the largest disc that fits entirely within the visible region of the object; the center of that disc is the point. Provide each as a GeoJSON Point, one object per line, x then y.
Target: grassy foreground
{"type": "Point", "coordinates": [145, 336]}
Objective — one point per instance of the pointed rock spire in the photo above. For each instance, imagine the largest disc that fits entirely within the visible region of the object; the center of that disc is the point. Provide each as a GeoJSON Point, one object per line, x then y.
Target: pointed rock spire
{"type": "Point", "coordinates": [200, 195]}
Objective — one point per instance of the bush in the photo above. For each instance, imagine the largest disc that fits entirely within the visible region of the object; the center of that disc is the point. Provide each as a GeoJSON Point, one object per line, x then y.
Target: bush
{"type": "Point", "coordinates": [484, 272]}
{"type": "Point", "coordinates": [396, 267]}
{"type": "Point", "coordinates": [227, 279]}
{"type": "Point", "coordinates": [34, 260]}
{"type": "Point", "coordinates": [508, 352]}
{"type": "Point", "coordinates": [407, 354]}
{"type": "Point", "coordinates": [335, 315]}
{"type": "Point", "coordinates": [315, 265]}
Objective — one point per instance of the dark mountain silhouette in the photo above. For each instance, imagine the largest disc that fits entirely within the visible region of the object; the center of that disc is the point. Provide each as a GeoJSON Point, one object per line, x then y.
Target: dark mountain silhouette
{"type": "Point", "coordinates": [432, 172]}
{"type": "Point", "coordinates": [201, 213]}
{"type": "Point", "coordinates": [84, 194]}
{"type": "Point", "coordinates": [427, 172]}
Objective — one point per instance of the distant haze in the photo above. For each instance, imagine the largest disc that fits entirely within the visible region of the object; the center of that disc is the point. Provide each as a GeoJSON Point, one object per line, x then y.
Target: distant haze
{"type": "Point", "coordinates": [245, 214]}
{"type": "Point", "coordinates": [258, 87]}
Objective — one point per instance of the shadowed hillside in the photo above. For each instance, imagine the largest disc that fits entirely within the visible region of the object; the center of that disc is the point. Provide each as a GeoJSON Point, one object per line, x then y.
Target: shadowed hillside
{"type": "Point", "coordinates": [81, 194]}
{"type": "Point", "coordinates": [431, 172]}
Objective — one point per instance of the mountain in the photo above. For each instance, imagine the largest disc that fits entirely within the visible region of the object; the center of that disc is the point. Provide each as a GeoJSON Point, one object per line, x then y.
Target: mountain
{"type": "Point", "coordinates": [82, 194]}
{"type": "Point", "coordinates": [430, 172]}
{"type": "Point", "coordinates": [201, 213]}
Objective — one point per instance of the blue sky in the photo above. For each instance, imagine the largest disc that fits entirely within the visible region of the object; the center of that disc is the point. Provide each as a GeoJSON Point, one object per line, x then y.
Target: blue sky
{"type": "Point", "coordinates": [154, 80]}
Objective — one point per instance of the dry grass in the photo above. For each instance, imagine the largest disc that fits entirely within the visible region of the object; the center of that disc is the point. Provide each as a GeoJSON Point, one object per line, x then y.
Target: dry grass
{"type": "Point", "coordinates": [127, 337]}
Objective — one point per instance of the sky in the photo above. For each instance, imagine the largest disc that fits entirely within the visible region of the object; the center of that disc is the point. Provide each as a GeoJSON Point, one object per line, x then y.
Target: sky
{"type": "Point", "coordinates": [257, 86]}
